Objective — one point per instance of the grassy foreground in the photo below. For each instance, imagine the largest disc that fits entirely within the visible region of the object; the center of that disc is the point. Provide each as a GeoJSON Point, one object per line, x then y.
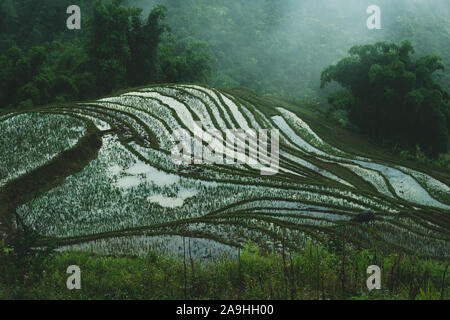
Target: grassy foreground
{"type": "Point", "coordinates": [312, 273]}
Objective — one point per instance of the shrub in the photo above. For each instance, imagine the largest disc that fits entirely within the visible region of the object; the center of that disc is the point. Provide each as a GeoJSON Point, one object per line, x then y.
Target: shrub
{"type": "Point", "coordinates": [26, 104]}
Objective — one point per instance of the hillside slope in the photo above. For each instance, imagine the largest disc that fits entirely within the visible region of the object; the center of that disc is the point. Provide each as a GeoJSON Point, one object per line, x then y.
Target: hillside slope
{"type": "Point", "coordinates": [100, 175]}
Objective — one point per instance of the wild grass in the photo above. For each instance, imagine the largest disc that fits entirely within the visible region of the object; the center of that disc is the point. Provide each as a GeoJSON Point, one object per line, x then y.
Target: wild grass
{"type": "Point", "coordinates": [312, 272]}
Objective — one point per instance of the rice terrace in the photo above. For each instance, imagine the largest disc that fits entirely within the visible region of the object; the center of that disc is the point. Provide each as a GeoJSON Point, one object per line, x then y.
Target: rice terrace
{"type": "Point", "coordinates": [101, 176]}
{"type": "Point", "coordinates": [224, 150]}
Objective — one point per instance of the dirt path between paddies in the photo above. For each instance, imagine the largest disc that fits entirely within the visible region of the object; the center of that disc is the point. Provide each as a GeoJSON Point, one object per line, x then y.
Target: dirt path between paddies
{"type": "Point", "coordinates": [48, 176]}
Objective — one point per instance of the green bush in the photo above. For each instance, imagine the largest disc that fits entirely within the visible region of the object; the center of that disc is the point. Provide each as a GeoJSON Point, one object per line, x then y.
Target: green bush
{"type": "Point", "coordinates": [26, 104]}
{"type": "Point", "coordinates": [30, 92]}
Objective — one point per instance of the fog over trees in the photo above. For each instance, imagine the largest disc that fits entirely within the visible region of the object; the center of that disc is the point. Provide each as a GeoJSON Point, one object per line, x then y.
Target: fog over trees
{"type": "Point", "coordinates": [278, 47]}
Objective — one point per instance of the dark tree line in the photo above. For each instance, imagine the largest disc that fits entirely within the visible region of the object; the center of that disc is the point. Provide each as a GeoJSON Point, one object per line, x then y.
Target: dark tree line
{"type": "Point", "coordinates": [116, 48]}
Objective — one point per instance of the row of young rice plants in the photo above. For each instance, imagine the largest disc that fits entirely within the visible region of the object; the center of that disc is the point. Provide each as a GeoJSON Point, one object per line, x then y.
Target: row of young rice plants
{"type": "Point", "coordinates": [436, 188]}
{"type": "Point", "coordinates": [425, 244]}
{"type": "Point", "coordinates": [169, 93]}
{"type": "Point", "coordinates": [196, 106]}
{"type": "Point", "coordinates": [121, 197]}
{"type": "Point", "coordinates": [250, 119]}
{"type": "Point", "coordinates": [406, 186]}
{"type": "Point", "coordinates": [29, 140]}
{"type": "Point", "coordinates": [202, 112]}
{"type": "Point", "coordinates": [157, 126]}
{"type": "Point", "coordinates": [215, 114]}
{"type": "Point", "coordinates": [213, 96]}
{"type": "Point", "coordinates": [200, 249]}
{"type": "Point", "coordinates": [303, 130]}
{"type": "Point", "coordinates": [134, 188]}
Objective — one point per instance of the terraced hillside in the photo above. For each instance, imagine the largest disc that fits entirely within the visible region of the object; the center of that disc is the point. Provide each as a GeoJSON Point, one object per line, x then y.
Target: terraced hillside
{"type": "Point", "coordinates": [100, 175]}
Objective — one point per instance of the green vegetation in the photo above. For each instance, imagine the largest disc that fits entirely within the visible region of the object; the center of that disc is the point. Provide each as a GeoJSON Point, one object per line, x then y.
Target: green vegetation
{"type": "Point", "coordinates": [280, 47]}
{"type": "Point", "coordinates": [314, 272]}
{"type": "Point", "coordinates": [117, 48]}
{"type": "Point", "coordinates": [270, 46]}
{"type": "Point", "coordinates": [390, 96]}
{"type": "Point", "coordinates": [263, 45]}
{"type": "Point", "coordinates": [96, 179]}
{"type": "Point", "coordinates": [47, 175]}
{"type": "Point", "coordinates": [36, 138]}
{"type": "Point", "coordinates": [318, 198]}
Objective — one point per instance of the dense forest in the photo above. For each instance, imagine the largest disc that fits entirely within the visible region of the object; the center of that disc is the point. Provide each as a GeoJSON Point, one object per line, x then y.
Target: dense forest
{"type": "Point", "coordinates": [117, 48]}
{"type": "Point", "coordinates": [264, 45]}
{"type": "Point", "coordinates": [273, 47]}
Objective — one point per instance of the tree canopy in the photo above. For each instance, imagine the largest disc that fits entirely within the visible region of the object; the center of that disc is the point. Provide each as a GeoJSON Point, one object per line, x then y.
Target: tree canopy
{"type": "Point", "coordinates": [116, 48]}
{"type": "Point", "coordinates": [389, 95]}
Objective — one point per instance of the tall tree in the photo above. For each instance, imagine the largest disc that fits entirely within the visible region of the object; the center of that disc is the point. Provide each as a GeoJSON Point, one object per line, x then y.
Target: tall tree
{"type": "Point", "coordinates": [388, 95]}
{"type": "Point", "coordinates": [108, 47]}
{"type": "Point", "coordinates": [143, 40]}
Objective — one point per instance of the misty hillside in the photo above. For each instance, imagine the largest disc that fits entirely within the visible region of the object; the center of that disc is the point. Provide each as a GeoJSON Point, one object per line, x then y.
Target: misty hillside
{"type": "Point", "coordinates": [234, 149]}
{"type": "Point", "coordinates": [271, 46]}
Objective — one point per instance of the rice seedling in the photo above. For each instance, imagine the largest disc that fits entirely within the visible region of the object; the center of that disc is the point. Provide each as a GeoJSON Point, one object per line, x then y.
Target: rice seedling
{"type": "Point", "coordinates": [32, 139]}
{"type": "Point", "coordinates": [133, 197]}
